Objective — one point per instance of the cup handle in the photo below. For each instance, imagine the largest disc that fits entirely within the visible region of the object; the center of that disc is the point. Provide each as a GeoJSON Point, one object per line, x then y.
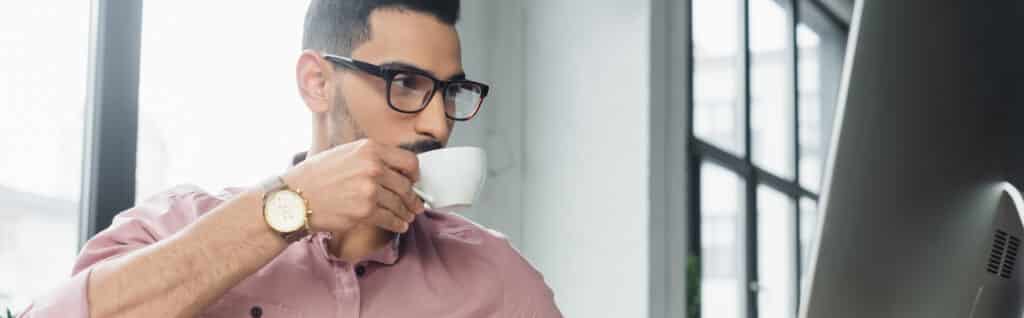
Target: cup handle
{"type": "Point", "coordinates": [423, 195]}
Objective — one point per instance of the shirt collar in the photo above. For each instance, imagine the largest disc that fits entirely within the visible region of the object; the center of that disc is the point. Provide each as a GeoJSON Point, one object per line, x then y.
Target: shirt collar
{"type": "Point", "coordinates": [387, 254]}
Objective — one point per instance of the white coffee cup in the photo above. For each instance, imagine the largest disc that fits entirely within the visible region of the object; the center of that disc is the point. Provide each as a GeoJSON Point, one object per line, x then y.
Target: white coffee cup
{"type": "Point", "coordinates": [451, 178]}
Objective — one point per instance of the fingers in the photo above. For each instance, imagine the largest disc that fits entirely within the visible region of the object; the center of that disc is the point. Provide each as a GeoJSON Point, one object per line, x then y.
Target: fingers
{"type": "Point", "coordinates": [401, 187]}
{"type": "Point", "coordinates": [400, 159]}
{"type": "Point", "coordinates": [393, 203]}
{"type": "Point", "coordinates": [363, 182]}
{"type": "Point", "coordinates": [385, 219]}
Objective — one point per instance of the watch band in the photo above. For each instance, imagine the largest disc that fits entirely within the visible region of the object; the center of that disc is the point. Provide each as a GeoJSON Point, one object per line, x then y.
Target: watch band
{"type": "Point", "coordinates": [292, 237]}
{"type": "Point", "coordinates": [272, 185]}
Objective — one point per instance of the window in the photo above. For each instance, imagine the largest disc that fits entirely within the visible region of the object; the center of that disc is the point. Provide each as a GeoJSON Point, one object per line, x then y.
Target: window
{"type": "Point", "coordinates": [721, 210]}
{"type": "Point", "coordinates": [43, 104]}
{"type": "Point", "coordinates": [771, 98]}
{"type": "Point", "coordinates": [718, 74]}
{"type": "Point", "coordinates": [821, 44]}
{"type": "Point", "coordinates": [764, 86]}
{"type": "Point", "coordinates": [776, 253]}
{"type": "Point", "coordinates": [808, 229]}
{"type": "Point", "coordinates": [208, 89]}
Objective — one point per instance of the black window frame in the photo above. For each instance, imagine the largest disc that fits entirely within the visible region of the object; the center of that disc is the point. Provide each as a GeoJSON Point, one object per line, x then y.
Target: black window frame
{"type": "Point", "coordinates": [700, 151]}
{"type": "Point", "coordinates": [111, 114]}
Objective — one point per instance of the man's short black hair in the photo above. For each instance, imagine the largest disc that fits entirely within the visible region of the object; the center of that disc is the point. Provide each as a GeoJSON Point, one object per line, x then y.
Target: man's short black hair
{"type": "Point", "coordinates": [338, 26]}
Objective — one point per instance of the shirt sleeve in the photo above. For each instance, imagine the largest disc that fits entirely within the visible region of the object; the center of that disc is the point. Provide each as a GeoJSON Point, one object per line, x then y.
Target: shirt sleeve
{"type": "Point", "coordinates": [526, 295]}
{"type": "Point", "coordinates": [156, 218]}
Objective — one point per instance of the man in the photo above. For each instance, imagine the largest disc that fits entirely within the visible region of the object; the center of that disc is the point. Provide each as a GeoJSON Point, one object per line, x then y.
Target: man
{"type": "Point", "coordinates": [383, 80]}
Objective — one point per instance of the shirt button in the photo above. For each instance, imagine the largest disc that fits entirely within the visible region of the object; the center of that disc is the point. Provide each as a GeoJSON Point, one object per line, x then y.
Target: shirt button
{"type": "Point", "coordinates": [256, 312]}
{"type": "Point", "coordinates": [360, 270]}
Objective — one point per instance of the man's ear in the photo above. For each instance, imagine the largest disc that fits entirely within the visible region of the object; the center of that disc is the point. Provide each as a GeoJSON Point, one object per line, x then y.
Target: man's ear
{"type": "Point", "coordinates": [312, 74]}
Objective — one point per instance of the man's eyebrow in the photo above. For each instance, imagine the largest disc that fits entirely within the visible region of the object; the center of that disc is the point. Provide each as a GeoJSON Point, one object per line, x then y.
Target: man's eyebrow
{"type": "Point", "coordinates": [406, 66]}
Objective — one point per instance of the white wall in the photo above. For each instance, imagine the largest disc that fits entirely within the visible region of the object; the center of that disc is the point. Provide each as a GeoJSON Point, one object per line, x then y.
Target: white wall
{"type": "Point", "coordinates": [491, 34]}
{"type": "Point", "coordinates": [585, 136]}
{"type": "Point", "coordinates": [575, 180]}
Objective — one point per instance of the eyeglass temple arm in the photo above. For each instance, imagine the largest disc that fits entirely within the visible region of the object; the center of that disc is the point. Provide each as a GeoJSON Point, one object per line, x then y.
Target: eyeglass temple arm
{"type": "Point", "coordinates": [354, 65]}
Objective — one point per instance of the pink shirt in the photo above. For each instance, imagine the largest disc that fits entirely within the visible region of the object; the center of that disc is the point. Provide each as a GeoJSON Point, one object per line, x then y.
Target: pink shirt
{"type": "Point", "coordinates": [444, 266]}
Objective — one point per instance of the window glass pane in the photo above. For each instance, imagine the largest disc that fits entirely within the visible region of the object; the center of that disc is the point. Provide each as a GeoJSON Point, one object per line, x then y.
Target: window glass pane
{"type": "Point", "coordinates": [808, 234]}
{"type": "Point", "coordinates": [771, 74]}
{"type": "Point", "coordinates": [44, 59]}
{"type": "Point", "coordinates": [776, 254]}
{"type": "Point", "coordinates": [718, 105]}
{"type": "Point", "coordinates": [210, 89]}
{"type": "Point", "coordinates": [820, 58]}
{"type": "Point", "coordinates": [721, 207]}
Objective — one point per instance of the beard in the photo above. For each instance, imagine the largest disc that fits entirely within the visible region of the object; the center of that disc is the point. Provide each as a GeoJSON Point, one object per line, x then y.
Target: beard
{"type": "Point", "coordinates": [345, 129]}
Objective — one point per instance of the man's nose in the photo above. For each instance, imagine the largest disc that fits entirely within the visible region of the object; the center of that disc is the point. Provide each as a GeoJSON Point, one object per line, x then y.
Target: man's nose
{"type": "Point", "coordinates": [432, 120]}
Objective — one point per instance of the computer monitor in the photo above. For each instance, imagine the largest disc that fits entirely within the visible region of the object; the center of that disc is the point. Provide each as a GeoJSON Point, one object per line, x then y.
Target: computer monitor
{"type": "Point", "coordinates": [917, 217]}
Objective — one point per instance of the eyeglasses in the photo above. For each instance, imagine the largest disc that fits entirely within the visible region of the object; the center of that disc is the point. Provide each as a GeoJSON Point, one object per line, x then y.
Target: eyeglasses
{"type": "Point", "coordinates": [410, 90]}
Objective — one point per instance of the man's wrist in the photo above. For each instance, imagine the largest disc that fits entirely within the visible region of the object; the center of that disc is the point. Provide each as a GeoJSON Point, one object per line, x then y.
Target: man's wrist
{"type": "Point", "coordinates": [285, 209]}
{"type": "Point", "coordinates": [255, 222]}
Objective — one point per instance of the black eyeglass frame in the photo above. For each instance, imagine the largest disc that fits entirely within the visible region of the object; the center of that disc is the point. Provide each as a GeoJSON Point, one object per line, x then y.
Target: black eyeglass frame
{"type": "Point", "coordinates": [388, 73]}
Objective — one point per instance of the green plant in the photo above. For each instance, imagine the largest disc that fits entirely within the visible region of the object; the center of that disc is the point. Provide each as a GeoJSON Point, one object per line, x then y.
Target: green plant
{"type": "Point", "coordinates": [9, 314]}
{"type": "Point", "coordinates": [693, 272]}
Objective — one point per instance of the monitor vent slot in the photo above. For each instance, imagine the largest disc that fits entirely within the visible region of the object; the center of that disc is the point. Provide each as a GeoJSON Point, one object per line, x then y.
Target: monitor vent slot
{"type": "Point", "coordinates": [1002, 259]}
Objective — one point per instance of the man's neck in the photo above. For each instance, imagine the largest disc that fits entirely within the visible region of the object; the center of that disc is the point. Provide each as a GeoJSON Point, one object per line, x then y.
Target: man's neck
{"type": "Point", "coordinates": [359, 243]}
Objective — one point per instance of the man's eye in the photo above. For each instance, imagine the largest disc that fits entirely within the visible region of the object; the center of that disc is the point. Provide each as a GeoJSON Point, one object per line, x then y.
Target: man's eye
{"type": "Point", "coordinates": [403, 81]}
{"type": "Point", "coordinates": [410, 82]}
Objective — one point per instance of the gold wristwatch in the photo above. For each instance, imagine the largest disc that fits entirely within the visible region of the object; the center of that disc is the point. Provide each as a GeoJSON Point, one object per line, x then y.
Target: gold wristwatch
{"type": "Point", "coordinates": [285, 210]}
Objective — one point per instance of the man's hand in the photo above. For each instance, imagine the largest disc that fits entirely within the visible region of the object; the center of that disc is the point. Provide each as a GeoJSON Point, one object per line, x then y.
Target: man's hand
{"type": "Point", "coordinates": [359, 182]}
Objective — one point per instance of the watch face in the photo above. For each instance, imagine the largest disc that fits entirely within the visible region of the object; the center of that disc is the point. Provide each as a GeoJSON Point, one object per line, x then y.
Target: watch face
{"type": "Point", "coordinates": [285, 211]}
